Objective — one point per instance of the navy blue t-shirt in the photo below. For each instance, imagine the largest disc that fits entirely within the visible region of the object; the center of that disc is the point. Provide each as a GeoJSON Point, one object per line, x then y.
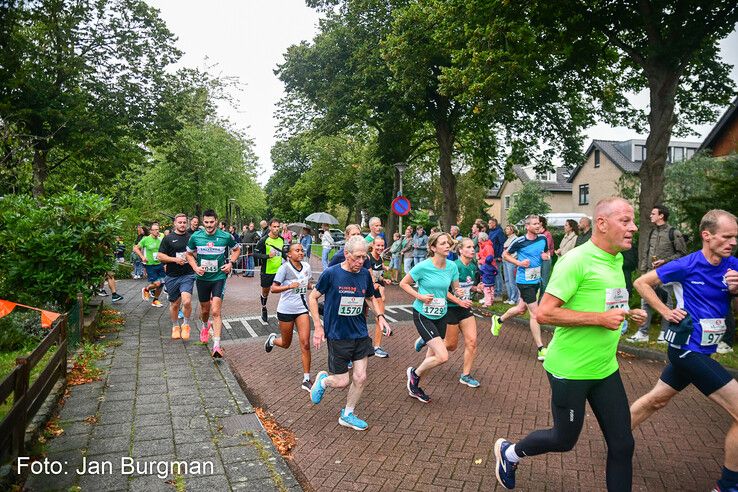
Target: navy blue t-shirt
{"type": "Point", "coordinates": [701, 290]}
{"type": "Point", "coordinates": [345, 292]}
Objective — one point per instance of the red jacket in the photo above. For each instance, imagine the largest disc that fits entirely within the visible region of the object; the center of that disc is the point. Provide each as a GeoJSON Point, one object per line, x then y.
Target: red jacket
{"type": "Point", "coordinates": [485, 249]}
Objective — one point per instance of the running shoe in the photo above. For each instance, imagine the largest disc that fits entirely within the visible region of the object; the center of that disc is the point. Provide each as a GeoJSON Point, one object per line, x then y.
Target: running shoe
{"type": "Point", "coordinates": [317, 390]}
{"type": "Point", "coordinates": [157, 303]}
{"type": "Point", "coordinates": [204, 334]}
{"type": "Point", "coordinates": [412, 386]}
{"type": "Point", "coordinates": [217, 352]}
{"type": "Point", "coordinates": [306, 385]}
{"type": "Point", "coordinates": [180, 314]}
{"type": "Point", "coordinates": [264, 314]}
{"type": "Point", "coordinates": [724, 348]}
{"type": "Point", "coordinates": [542, 354]}
{"type": "Point", "coordinates": [419, 344]}
{"type": "Point", "coordinates": [468, 380]}
{"type": "Point", "coordinates": [116, 297]}
{"type": "Point", "coordinates": [380, 352]}
{"type": "Point", "coordinates": [185, 331]}
{"type": "Point", "coordinates": [352, 421]}
{"type": "Point", "coordinates": [638, 337]}
{"type": "Point", "coordinates": [661, 339]}
{"type": "Point", "coordinates": [504, 469]}
{"type": "Point", "coordinates": [496, 325]}
{"type": "Point", "coordinates": [350, 364]}
{"type": "Point", "coordinates": [269, 344]}
{"type": "Point", "coordinates": [145, 294]}
{"type": "Point", "coordinates": [102, 292]}
{"type": "Point", "coordinates": [176, 332]}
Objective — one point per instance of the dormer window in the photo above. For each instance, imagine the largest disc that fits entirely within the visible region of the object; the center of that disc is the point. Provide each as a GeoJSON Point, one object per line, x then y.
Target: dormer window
{"type": "Point", "coordinates": [597, 158]}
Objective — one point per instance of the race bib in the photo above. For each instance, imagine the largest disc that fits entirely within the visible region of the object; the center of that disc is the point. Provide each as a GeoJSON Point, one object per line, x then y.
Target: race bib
{"type": "Point", "coordinates": [210, 266]}
{"type": "Point", "coordinates": [351, 306]}
{"type": "Point", "coordinates": [437, 307]}
{"type": "Point", "coordinates": [182, 255]}
{"type": "Point", "coordinates": [467, 291]}
{"type": "Point", "coordinates": [302, 289]}
{"type": "Point", "coordinates": [533, 273]}
{"type": "Point", "coordinates": [616, 299]}
{"type": "Point", "coordinates": [277, 252]}
{"type": "Point", "coordinates": [155, 256]}
{"type": "Point", "coordinates": [712, 331]}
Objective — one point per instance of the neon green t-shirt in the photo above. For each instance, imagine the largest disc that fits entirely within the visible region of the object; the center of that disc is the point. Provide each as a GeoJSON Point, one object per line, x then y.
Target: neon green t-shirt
{"type": "Point", "coordinates": [587, 279]}
{"type": "Point", "coordinates": [150, 246]}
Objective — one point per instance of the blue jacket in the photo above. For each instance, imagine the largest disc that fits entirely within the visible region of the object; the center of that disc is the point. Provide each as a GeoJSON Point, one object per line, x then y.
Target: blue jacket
{"type": "Point", "coordinates": [497, 236]}
{"type": "Point", "coordinates": [488, 271]}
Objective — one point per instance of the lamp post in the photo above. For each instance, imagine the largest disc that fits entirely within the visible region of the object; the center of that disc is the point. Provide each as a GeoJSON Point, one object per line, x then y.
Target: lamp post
{"type": "Point", "coordinates": [401, 167]}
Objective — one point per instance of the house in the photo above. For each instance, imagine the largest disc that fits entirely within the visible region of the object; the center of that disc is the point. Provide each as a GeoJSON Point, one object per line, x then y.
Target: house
{"type": "Point", "coordinates": [553, 182]}
{"type": "Point", "coordinates": [723, 138]}
{"type": "Point", "coordinates": [606, 164]}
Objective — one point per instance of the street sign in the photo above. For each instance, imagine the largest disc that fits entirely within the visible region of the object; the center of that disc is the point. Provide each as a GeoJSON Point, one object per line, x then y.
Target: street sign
{"type": "Point", "coordinates": [401, 206]}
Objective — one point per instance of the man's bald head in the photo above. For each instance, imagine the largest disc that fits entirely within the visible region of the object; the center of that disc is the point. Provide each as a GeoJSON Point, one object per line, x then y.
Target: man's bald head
{"type": "Point", "coordinates": [608, 206]}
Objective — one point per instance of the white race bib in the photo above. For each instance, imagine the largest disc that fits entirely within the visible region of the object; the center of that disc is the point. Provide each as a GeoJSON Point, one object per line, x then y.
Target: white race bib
{"type": "Point", "coordinates": [210, 266]}
{"type": "Point", "coordinates": [616, 299]}
{"type": "Point", "coordinates": [437, 307]}
{"type": "Point", "coordinates": [277, 252]}
{"type": "Point", "coordinates": [466, 287]}
{"type": "Point", "coordinates": [533, 273]}
{"type": "Point", "coordinates": [712, 331]}
{"type": "Point", "coordinates": [351, 306]}
{"type": "Point", "coordinates": [302, 289]}
{"type": "Point", "coordinates": [182, 255]}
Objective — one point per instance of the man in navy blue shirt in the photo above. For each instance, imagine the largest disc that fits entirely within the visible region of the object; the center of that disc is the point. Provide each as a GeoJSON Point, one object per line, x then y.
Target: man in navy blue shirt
{"type": "Point", "coordinates": [497, 236]}
{"type": "Point", "coordinates": [345, 286]}
{"type": "Point", "coordinates": [705, 283]}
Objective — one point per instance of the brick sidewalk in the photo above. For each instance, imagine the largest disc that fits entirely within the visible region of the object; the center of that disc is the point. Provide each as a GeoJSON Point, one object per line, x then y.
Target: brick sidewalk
{"type": "Point", "coordinates": [447, 444]}
{"type": "Point", "coordinates": [162, 400]}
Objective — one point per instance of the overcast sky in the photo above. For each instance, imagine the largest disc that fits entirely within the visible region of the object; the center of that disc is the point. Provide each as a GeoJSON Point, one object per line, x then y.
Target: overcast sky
{"type": "Point", "coordinates": [246, 38]}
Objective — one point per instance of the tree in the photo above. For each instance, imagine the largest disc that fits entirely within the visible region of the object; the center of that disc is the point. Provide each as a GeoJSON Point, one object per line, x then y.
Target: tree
{"type": "Point", "coordinates": [80, 80]}
{"type": "Point", "coordinates": [531, 199]}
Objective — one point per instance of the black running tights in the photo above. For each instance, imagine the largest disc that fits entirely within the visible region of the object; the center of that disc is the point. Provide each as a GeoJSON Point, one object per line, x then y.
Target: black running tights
{"type": "Point", "coordinates": [610, 405]}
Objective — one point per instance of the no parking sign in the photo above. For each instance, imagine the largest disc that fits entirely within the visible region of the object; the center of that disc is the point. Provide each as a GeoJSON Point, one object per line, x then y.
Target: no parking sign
{"type": "Point", "coordinates": [401, 206]}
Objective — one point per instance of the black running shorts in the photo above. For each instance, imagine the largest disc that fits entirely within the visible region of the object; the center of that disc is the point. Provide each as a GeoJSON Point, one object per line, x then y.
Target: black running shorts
{"type": "Point", "coordinates": [687, 367]}
{"type": "Point", "coordinates": [341, 352]}
{"type": "Point", "coordinates": [206, 289]}
{"type": "Point", "coordinates": [457, 314]}
{"type": "Point", "coordinates": [529, 292]}
{"type": "Point", "coordinates": [429, 328]}
{"type": "Point", "coordinates": [267, 279]}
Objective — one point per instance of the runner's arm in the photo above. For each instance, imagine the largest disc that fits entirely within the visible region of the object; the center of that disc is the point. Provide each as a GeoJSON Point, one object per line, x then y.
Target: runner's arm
{"type": "Point", "coordinates": [550, 312]}
{"type": "Point", "coordinates": [278, 288]}
{"type": "Point", "coordinates": [260, 248]}
{"type": "Point", "coordinates": [510, 258]}
{"type": "Point", "coordinates": [137, 250]}
{"type": "Point", "coordinates": [645, 285]}
{"type": "Point", "coordinates": [406, 284]}
{"type": "Point", "coordinates": [319, 333]}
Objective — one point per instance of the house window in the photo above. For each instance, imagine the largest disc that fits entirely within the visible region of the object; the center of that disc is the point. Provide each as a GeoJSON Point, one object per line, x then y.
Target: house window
{"type": "Point", "coordinates": [678, 154]}
{"type": "Point", "coordinates": [584, 194]}
{"type": "Point", "coordinates": [690, 152]}
{"type": "Point", "coordinates": [640, 153]}
{"type": "Point", "coordinates": [597, 158]}
{"type": "Point", "coordinates": [507, 202]}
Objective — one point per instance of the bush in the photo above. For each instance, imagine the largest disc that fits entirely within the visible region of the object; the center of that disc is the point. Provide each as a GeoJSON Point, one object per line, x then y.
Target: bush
{"type": "Point", "coordinates": [20, 329]}
{"type": "Point", "coordinates": [55, 247]}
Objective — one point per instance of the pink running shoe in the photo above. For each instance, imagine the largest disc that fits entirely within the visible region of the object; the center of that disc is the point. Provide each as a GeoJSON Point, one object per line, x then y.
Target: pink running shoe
{"type": "Point", "coordinates": [204, 334]}
{"type": "Point", "coordinates": [217, 352]}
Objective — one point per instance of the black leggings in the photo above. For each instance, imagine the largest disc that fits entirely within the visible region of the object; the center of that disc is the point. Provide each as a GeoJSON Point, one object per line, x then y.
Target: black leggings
{"type": "Point", "coordinates": [610, 405]}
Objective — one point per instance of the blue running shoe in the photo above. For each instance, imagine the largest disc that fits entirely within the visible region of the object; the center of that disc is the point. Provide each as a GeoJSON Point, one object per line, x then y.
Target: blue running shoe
{"type": "Point", "coordinates": [350, 365]}
{"type": "Point", "coordinates": [504, 469]}
{"type": "Point", "coordinates": [316, 392]}
{"type": "Point", "coordinates": [180, 314]}
{"type": "Point", "coordinates": [380, 352]}
{"type": "Point", "coordinates": [419, 344]}
{"type": "Point", "coordinates": [352, 421]}
{"type": "Point", "coordinates": [468, 380]}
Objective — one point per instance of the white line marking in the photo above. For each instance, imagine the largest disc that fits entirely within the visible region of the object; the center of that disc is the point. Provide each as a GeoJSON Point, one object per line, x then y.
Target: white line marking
{"type": "Point", "coordinates": [227, 325]}
{"type": "Point", "coordinates": [390, 319]}
{"type": "Point", "coordinates": [405, 308]}
{"type": "Point", "coordinates": [248, 327]}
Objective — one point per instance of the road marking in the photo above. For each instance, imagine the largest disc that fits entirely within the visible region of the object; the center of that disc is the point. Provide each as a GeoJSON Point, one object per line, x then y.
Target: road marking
{"type": "Point", "coordinates": [227, 325]}
{"type": "Point", "coordinates": [389, 318]}
{"type": "Point", "coordinates": [246, 325]}
{"type": "Point", "coordinates": [407, 309]}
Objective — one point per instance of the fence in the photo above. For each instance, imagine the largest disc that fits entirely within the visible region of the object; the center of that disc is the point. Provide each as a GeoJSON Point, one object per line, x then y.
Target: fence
{"type": "Point", "coordinates": [247, 264]}
{"type": "Point", "coordinates": [27, 397]}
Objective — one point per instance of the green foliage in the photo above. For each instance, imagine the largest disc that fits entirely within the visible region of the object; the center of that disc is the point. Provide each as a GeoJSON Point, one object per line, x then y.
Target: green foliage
{"type": "Point", "coordinates": [55, 247]}
{"type": "Point", "coordinates": [700, 184]}
{"type": "Point", "coordinates": [21, 329]}
{"type": "Point", "coordinates": [531, 199]}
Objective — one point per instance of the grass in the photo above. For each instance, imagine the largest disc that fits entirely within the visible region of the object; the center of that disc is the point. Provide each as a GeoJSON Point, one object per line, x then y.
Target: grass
{"type": "Point", "coordinates": [7, 363]}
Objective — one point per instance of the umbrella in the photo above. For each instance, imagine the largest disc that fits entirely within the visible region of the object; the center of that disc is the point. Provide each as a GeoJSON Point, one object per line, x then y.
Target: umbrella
{"type": "Point", "coordinates": [297, 227]}
{"type": "Point", "coordinates": [321, 218]}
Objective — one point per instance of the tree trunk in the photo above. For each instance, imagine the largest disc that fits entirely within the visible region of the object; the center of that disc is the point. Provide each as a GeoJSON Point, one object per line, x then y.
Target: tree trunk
{"type": "Point", "coordinates": [40, 171]}
{"type": "Point", "coordinates": [445, 139]}
{"type": "Point", "coordinates": [662, 86]}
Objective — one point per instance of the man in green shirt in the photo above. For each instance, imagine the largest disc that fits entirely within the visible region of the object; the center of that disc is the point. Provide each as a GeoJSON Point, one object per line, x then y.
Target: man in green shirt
{"type": "Point", "coordinates": [587, 300]}
{"type": "Point", "coordinates": [270, 250]}
{"type": "Point", "coordinates": [147, 249]}
{"type": "Point", "coordinates": [206, 254]}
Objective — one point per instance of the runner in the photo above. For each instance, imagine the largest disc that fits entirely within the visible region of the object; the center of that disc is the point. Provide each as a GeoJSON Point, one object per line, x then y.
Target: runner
{"type": "Point", "coordinates": [346, 287]}
{"type": "Point", "coordinates": [377, 269]}
{"type": "Point", "coordinates": [434, 277]}
{"type": "Point", "coordinates": [269, 251]}
{"type": "Point", "coordinates": [338, 258]}
{"type": "Point", "coordinates": [587, 301]}
{"type": "Point", "coordinates": [292, 281]}
{"type": "Point", "coordinates": [206, 254]}
{"type": "Point", "coordinates": [704, 283]}
{"type": "Point", "coordinates": [460, 317]}
{"type": "Point", "coordinates": [531, 250]}
{"type": "Point", "coordinates": [180, 278]}
{"type": "Point", "coordinates": [375, 228]}
{"type": "Point", "coordinates": [147, 249]}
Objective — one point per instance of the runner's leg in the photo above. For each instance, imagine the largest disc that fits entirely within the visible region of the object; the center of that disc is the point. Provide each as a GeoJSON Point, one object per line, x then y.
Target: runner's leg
{"type": "Point", "coordinates": [358, 381]}
{"type": "Point", "coordinates": [303, 333]}
{"type": "Point", "coordinates": [285, 339]}
{"type": "Point", "coordinates": [535, 327]}
{"type": "Point", "coordinates": [451, 340]}
{"type": "Point", "coordinates": [727, 397]}
{"type": "Point", "coordinates": [468, 327]}
{"type": "Point", "coordinates": [648, 404]}
{"type": "Point", "coordinates": [435, 356]}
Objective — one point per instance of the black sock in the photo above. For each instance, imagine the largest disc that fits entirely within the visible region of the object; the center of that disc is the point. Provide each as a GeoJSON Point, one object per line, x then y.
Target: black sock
{"type": "Point", "coordinates": [263, 301]}
{"type": "Point", "coordinates": [540, 347]}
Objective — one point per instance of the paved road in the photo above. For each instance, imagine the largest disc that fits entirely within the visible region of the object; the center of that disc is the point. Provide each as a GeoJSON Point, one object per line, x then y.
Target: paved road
{"type": "Point", "coordinates": [446, 445]}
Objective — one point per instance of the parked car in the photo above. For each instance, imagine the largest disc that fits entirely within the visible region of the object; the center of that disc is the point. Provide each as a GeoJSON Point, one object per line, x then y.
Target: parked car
{"type": "Point", "coordinates": [338, 236]}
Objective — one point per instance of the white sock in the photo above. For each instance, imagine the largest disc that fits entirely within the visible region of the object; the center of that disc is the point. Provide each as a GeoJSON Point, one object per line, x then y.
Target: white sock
{"type": "Point", "coordinates": [322, 383]}
{"type": "Point", "coordinates": [511, 455]}
{"type": "Point", "coordinates": [348, 410]}
{"type": "Point", "coordinates": [216, 340]}
{"type": "Point", "coordinates": [306, 376]}
{"type": "Point", "coordinates": [186, 320]}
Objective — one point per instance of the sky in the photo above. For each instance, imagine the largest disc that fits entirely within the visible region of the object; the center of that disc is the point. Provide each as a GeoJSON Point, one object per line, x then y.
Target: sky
{"type": "Point", "coordinates": [247, 39]}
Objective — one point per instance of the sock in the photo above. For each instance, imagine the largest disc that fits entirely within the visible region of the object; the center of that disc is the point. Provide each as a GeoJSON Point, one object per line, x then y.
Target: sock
{"type": "Point", "coordinates": [263, 301]}
{"type": "Point", "coordinates": [511, 455]}
{"type": "Point", "coordinates": [540, 347]}
{"type": "Point", "coordinates": [186, 320]}
{"type": "Point", "coordinates": [322, 383]}
{"type": "Point", "coordinates": [216, 340]}
{"type": "Point", "coordinates": [728, 479]}
{"type": "Point", "coordinates": [306, 376]}
{"type": "Point", "coordinates": [348, 410]}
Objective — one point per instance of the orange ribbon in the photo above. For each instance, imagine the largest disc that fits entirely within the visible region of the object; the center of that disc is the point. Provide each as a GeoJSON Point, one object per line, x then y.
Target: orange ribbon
{"type": "Point", "coordinates": [47, 317]}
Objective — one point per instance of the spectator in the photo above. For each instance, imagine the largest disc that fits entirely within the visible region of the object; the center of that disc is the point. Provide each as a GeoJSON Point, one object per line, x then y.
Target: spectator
{"type": "Point", "coordinates": [249, 239]}
{"type": "Point", "coordinates": [513, 296]}
{"type": "Point", "coordinates": [263, 228]}
{"type": "Point", "coordinates": [286, 234]}
{"type": "Point", "coordinates": [394, 266]}
{"type": "Point", "coordinates": [585, 231]}
{"type": "Point", "coordinates": [485, 247]}
{"type": "Point", "coordinates": [568, 242]}
{"type": "Point", "coordinates": [546, 262]}
{"type": "Point", "coordinates": [497, 236]}
{"type": "Point", "coordinates": [138, 269]}
{"type": "Point", "coordinates": [420, 245]}
{"type": "Point", "coordinates": [307, 241]}
{"type": "Point", "coordinates": [407, 250]}
{"type": "Point", "coordinates": [327, 243]}
{"type": "Point", "coordinates": [488, 269]}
